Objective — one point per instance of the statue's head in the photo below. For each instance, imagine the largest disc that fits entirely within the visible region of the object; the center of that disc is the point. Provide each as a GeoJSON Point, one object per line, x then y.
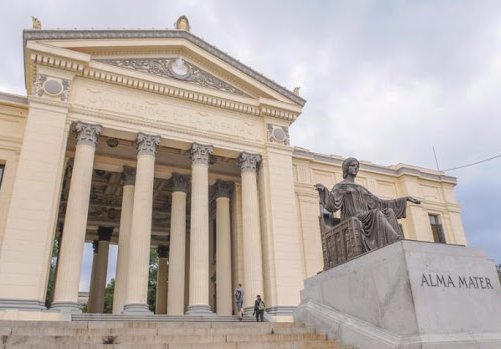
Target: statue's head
{"type": "Point", "coordinates": [346, 164]}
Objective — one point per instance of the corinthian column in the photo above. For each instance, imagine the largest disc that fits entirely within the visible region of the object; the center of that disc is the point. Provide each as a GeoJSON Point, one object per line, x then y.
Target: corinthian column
{"type": "Point", "coordinates": [129, 178]}
{"type": "Point", "coordinates": [199, 235]}
{"type": "Point", "coordinates": [161, 296]}
{"type": "Point", "coordinates": [253, 264]}
{"type": "Point", "coordinates": [75, 221]}
{"type": "Point", "coordinates": [136, 301]}
{"type": "Point", "coordinates": [101, 260]}
{"type": "Point", "coordinates": [177, 246]}
{"type": "Point", "coordinates": [224, 296]}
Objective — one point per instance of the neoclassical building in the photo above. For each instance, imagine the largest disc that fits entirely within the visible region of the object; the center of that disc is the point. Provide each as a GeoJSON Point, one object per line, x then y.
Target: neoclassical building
{"type": "Point", "coordinates": [157, 139]}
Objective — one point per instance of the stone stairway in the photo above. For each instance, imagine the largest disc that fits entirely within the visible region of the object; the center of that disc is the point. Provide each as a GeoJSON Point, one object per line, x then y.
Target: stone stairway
{"type": "Point", "coordinates": [98, 334]}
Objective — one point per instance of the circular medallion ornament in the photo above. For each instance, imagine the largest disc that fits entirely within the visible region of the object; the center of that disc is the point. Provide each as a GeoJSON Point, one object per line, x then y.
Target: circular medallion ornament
{"type": "Point", "coordinates": [53, 87]}
{"type": "Point", "coordinates": [179, 68]}
{"type": "Point", "coordinates": [279, 134]}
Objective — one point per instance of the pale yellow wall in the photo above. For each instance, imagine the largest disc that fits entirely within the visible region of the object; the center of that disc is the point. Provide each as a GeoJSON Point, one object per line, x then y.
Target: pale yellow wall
{"type": "Point", "coordinates": [435, 191]}
{"type": "Point", "coordinates": [12, 124]}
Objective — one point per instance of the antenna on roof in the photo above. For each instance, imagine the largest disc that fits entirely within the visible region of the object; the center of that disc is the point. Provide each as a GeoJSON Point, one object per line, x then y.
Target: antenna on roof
{"type": "Point", "coordinates": [435, 155]}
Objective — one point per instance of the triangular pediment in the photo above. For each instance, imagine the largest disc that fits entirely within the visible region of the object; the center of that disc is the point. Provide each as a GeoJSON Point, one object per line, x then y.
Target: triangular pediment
{"type": "Point", "coordinates": [173, 63]}
{"type": "Point", "coordinates": [175, 68]}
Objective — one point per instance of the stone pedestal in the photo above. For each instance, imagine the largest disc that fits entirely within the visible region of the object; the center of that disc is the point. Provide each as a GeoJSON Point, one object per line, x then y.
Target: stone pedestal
{"type": "Point", "coordinates": [408, 295]}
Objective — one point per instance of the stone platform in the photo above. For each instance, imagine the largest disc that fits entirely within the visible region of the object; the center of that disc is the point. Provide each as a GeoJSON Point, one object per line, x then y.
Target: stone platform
{"type": "Point", "coordinates": [408, 295]}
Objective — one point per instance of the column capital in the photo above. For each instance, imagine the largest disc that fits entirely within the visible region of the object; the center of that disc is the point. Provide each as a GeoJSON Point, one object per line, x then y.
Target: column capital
{"type": "Point", "coordinates": [104, 233]}
{"type": "Point", "coordinates": [222, 189]}
{"type": "Point", "coordinates": [248, 161]}
{"type": "Point", "coordinates": [129, 175]}
{"type": "Point", "coordinates": [147, 144]}
{"type": "Point", "coordinates": [200, 153]}
{"type": "Point", "coordinates": [179, 182]}
{"type": "Point", "coordinates": [87, 133]}
{"type": "Point", "coordinates": [162, 251]}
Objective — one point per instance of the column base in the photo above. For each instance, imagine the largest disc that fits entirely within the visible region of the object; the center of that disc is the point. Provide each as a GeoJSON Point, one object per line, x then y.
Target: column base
{"type": "Point", "coordinates": [66, 307]}
{"type": "Point", "coordinates": [22, 304]}
{"type": "Point", "coordinates": [136, 309]}
{"type": "Point", "coordinates": [200, 310]}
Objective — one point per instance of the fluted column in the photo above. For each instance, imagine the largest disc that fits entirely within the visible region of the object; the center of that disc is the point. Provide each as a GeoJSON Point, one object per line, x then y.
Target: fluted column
{"type": "Point", "coordinates": [161, 296]}
{"type": "Point", "coordinates": [75, 222]}
{"type": "Point", "coordinates": [199, 235]}
{"type": "Point", "coordinates": [224, 297]}
{"type": "Point", "coordinates": [139, 253]}
{"type": "Point", "coordinates": [129, 179]}
{"type": "Point", "coordinates": [253, 264]}
{"type": "Point", "coordinates": [103, 248]}
{"type": "Point", "coordinates": [177, 246]}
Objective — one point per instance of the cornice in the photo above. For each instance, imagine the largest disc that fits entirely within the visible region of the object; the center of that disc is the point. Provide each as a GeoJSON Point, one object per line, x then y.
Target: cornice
{"type": "Point", "coordinates": [162, 34]}
{"type": "Point", "coordinates": [14, 100]}
{"type": "Point", "coordinates": [401, 171]}
{"type": "Point", "coordinates": [47, 59]}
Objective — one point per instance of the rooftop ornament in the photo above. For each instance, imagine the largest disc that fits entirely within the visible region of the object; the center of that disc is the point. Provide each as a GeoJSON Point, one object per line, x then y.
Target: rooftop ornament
{"type": "Point", "coordinates": [182, 23]}
{"type": "Point", "coordinates": [36, 23]}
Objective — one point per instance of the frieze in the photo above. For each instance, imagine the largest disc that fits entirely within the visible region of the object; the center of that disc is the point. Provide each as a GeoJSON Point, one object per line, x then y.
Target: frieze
{"type": "Point", "coordinates": [52, 87]}
{"type": "Point", "coordinates": [87, 133]}
{"type": "Point", "coordinates": [176, 68]}
{"type": "Point", "coordinates": [278, 134]}
{"type": "Point", "coordinates": [92, 99]}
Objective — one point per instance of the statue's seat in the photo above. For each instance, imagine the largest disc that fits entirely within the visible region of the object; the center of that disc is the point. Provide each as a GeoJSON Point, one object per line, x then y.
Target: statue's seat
{"type": "Point", "coordinates": [341, 240]}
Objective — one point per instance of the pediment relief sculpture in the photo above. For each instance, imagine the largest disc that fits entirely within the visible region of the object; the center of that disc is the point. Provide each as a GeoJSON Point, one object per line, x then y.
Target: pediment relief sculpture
{"type": "Point", "coordinates": [175, 68]}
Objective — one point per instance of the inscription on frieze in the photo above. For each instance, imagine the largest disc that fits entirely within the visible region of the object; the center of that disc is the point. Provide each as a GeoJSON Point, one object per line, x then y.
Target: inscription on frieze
{"type": "Point", "coordinates": [153, 111]}
{"type": "Point", "coordinates": [457, 281]}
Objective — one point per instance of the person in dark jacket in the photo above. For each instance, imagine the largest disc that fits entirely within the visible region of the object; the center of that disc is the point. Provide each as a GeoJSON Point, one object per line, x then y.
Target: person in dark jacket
{"type": "Point", "coordinates": [259, 307]}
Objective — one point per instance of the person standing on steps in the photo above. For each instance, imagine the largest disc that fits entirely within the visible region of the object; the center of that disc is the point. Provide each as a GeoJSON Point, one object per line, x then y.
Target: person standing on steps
{"type": "Point", "coordinates": [259, 307]}
{"type": "Point", "coordinates": [239, 300]}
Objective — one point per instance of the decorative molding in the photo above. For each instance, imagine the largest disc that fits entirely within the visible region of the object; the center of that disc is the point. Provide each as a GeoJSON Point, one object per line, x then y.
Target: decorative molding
{"type": "Point", "coordinates": [278, 134]}
{"type": "Point", "coordinates": [176, 68]}
{"type": "Point", "coordinates": [87, 133]}
{"type": "Point", "coordinates": [129, 175]}
{"type": "Point", "coordinates": [104, 233]}
{"type": "Point", "coordinates": [222, 189]}
{"type": "Point", "coordinates": [179, 182]}
{"type": "Point", "coordinates": [201, 154]}
{"type": "Point", "coordinates": [147, 144]}
{"type": "Point", "coordinates": [22, 304]}
{"type": "Point", "coordinates": [52, 87]}
{"type": "Point", "coordinates": [249, 162]}
{"type": "Point", "coordinates": [145, 34]}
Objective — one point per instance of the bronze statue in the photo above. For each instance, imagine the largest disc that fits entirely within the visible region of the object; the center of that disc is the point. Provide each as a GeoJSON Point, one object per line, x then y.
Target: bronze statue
{"type": "Point", "coordinates": [378, 217]}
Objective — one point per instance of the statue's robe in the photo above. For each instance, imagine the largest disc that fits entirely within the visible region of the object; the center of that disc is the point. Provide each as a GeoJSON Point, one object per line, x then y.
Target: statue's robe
{"type": "Point", "coordinates": [378, 217]}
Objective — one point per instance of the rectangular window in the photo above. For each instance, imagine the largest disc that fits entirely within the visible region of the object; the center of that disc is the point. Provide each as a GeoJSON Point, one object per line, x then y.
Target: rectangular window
{"type": "Point", "coordinates": [2, 169]}
{"type": "Point", "coordinates": [436, 228]}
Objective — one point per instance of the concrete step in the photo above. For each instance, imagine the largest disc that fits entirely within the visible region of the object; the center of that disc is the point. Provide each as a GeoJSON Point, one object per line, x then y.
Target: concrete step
{"type": "Point", "coordinates": [156, 339]}
{"type": "Point", "coordinates": [248, 345]}
{"type": "Point", "coordinates": [160, 334]}
{"type": "Point", "coordinates": [159, 318]}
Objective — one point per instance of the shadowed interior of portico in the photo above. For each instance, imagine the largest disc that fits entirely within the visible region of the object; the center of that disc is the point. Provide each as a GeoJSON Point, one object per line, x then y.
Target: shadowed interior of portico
{"type": "Point", "coordinates": [106, 197]}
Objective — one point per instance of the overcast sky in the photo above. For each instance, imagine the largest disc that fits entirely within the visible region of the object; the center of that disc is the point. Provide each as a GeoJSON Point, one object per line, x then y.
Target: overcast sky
{"type": "Point", "coordinates": [384, 80]}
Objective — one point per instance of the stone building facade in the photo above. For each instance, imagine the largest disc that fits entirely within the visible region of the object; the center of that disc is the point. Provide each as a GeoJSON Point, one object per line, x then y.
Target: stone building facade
{"type": "Point", "coordinates": [157, 139]}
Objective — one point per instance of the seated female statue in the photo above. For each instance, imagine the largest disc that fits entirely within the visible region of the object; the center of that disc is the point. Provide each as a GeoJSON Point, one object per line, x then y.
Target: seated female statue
{"type": "Point", "coordinates": [378, 217]}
